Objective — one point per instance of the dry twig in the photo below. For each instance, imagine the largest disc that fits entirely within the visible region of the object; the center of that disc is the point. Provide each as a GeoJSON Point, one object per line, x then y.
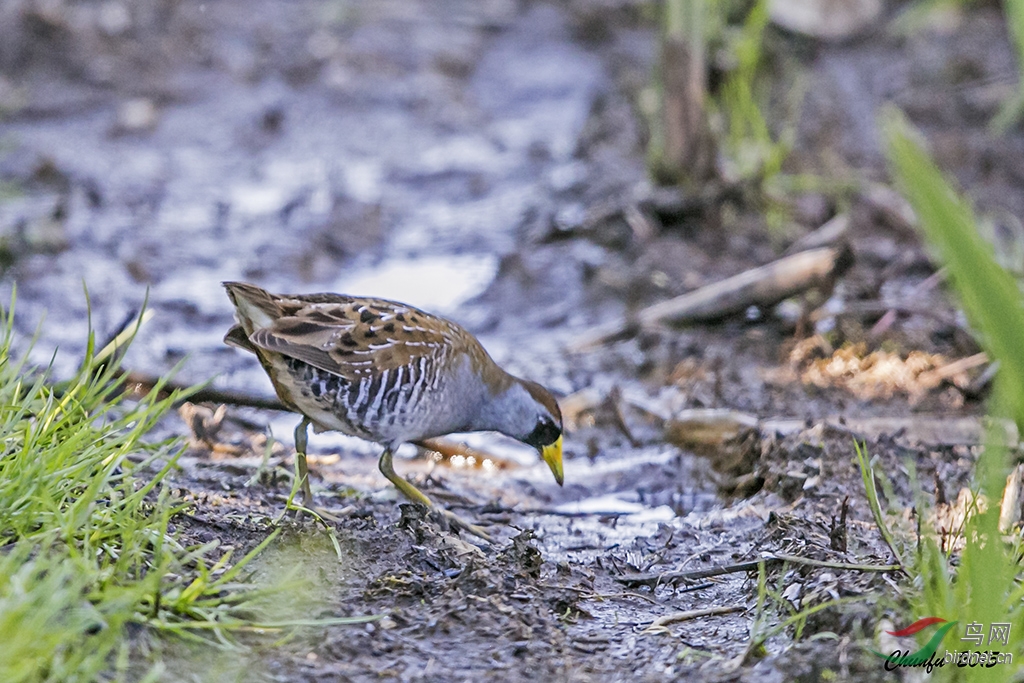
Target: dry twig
{"type": "Point", "coordinates": [660, 625]}
{"type": "Point", "coordinates": [763, 286]}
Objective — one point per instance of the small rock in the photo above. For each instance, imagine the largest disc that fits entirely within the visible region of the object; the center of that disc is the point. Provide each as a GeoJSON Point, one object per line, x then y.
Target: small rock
{"type": "Point", "coordinates": [114, 18]}
{"type": "Point", "coordinates": [137, 115]}
{"type": "Point", "coordinates": [830, 20]}
{"type": "Point", "coordinates": [792, 593]}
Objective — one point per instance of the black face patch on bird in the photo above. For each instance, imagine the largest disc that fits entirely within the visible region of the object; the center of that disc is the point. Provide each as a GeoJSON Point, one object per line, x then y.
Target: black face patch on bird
{"type": "Point", "coordinates": [544, 434]}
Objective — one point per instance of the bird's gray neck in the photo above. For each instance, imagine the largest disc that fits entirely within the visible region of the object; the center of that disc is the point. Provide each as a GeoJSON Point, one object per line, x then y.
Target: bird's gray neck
{"type": "Point", "coordinates": [511, 412]}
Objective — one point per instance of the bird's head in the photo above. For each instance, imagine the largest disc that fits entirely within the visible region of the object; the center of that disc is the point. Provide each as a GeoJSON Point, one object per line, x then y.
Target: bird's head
{"type": "Point", "coordinates": [545, 428]}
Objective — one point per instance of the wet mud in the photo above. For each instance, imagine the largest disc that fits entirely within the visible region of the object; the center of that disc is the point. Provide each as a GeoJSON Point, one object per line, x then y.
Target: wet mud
{"type": "Point", "coordinates": [486, 161]}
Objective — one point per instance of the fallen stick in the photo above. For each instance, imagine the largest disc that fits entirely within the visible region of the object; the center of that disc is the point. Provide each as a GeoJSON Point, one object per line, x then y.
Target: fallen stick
{"type": "Point", "coordinates": [833, 231]}
{"type": "Point", "coordinates": [589, 594]}
{"type": "Point", "coordinates": [142, 384]}
{"type": "Point", "coordinates": [634, 580]}
{"type": "Point", "coordinates": [981, 382]}
{"type": "Point", "coordinates": [660, 624]}
{"type": "Point", "coordinates": [885, 322]}
{"type": "Point", "coordinates": [954, 368]}
{"type": "Point", "coordinates": [890, 205]}
{"type": "Point", "coordinates": [712, 429]}
{"type": "Point", "coordinates": [763, 286]}
{"type": "Point", "coordinates": [708, 428]}
{"type": "Point", "coordinates": [845, 566]}
{"type": "Point", "coordinates": [541, 511]}
{"type": "Point", "coordinates": [883, 309]}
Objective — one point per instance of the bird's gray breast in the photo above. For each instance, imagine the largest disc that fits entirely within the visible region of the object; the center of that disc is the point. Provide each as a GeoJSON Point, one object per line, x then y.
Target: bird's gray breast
{"type": "Point", "coordinates": [424, 398]}
{"type": "Point", "coordinates": [404, 403]}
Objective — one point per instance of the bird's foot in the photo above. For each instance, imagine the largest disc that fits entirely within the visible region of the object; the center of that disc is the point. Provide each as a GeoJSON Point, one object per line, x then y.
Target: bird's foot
{"type": "Point", "coordinates": [456, 522]}
{"type": "Point", "coordinates": [302, 505]}
{"type": "Point", "coordinates": [417, 496]}
{"type": "Point", "coordinates": [318, 513]}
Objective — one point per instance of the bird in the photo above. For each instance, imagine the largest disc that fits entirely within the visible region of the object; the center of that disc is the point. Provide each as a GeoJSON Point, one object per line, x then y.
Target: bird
{"type": "Point", "coordinates": [389, 373]}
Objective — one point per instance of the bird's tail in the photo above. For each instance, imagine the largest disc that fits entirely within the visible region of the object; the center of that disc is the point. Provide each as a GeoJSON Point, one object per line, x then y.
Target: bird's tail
{"type": "Point", "coordinates": [255, 307]}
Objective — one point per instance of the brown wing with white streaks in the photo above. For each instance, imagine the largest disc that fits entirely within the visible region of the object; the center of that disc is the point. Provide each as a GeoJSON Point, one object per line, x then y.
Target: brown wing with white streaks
{"type": "Point", "coordinates": [355, 338]}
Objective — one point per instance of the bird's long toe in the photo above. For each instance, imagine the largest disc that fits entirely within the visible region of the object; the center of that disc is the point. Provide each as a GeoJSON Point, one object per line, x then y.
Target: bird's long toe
{"type": "Point", "coordinates": [456, 522]}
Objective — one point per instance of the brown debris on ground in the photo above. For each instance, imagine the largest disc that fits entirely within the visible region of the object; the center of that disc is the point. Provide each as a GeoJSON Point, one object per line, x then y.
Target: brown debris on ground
{"type": "Point", "coordinates": [878, 374]}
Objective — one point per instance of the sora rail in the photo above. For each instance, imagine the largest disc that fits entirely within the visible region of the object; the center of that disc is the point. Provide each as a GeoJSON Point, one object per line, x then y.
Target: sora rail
{"type": "Point", "coordinates": [389, 373]}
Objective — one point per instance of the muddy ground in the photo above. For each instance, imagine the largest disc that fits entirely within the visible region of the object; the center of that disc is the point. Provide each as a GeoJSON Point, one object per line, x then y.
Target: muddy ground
{"type": "Point", "coordinates": [485, 160]}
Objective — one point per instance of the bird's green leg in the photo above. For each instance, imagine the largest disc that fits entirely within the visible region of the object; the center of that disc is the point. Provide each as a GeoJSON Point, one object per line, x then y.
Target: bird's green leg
{"type": "Point", "coordinates": [387, 468]}
{"type": "Point", "coordinates": [302, 472]}
{"type": "Point", "coordinates": [301, 441]}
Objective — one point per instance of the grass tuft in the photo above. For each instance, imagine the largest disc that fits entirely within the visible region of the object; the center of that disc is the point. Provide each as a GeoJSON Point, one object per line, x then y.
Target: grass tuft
{"type": "Point", "coordinates": [984, 587]}
{"type": "Point", "coordinates": [84, 543]}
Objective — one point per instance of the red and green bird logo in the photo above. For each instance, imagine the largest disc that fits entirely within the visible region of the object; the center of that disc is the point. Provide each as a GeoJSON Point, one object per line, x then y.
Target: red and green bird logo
{"type": "Point", "coordinates": [927, 650]}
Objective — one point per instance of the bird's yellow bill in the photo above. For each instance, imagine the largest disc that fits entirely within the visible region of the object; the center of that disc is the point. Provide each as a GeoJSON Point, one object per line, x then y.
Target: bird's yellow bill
{"type": "Point", "coordinates": [552, 455]}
